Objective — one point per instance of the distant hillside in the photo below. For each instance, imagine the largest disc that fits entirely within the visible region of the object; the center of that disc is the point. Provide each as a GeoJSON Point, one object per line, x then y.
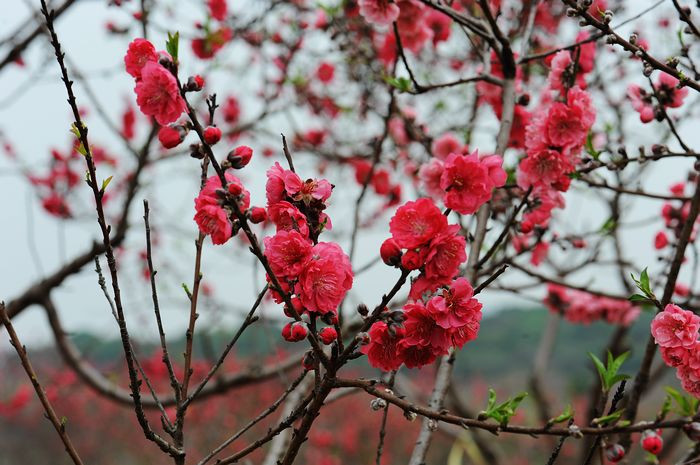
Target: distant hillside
{"type": "Point", "coordinates": [506, 346]}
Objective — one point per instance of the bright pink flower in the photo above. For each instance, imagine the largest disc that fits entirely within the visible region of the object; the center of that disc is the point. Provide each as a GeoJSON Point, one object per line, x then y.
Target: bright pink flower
{"type": "Point", "coordinates": [140, 52]}
{"type": "Point", "coordinates": [641, 102]}
{"type": "Point", "coordinates": [539, 253]}
{"type": "Point", "coordinates": [567, 124]}
{"type": "Point", "coordinates": [416, 223]}
{"type": "Point", "coordinates": [287, 217]}
{"type": "Point", "coordinates": [56, 205]}
{"type": "Point", "coordinates": [231, 110]}
{"type": "Point", "coordinates": [545, 167]}
{"type": "Point", "coordinates": [206, 47]}
{"type": "Point", "coordinates": [287, 252]}
{"type": "Point", "coordinates": [468, 181]}
{"type": "Point", "coordinates": [157, 94]}
{"type": "Point", "coordinates": [660, 240]}
{"type": "Point", "coordinates": [306, 191]}
{"type": "Point", "coordinates": [325, 72]}
{"type": "Point", "coordinates": [379, 12]}
{"type": "Point", "coordinates": [218, 9]}
{"type": "Point", "coordinates": [430, 174]}
{"type": "Point", "coordinates": [675, 327]}
{"type": "Point", "coordinates": [326, 278]}
{"type": "Point", "coordinates": [444, 145]}
{"type": "Point", "coordinates": [457, 307]}
{"type": "Point", "coordinates": [446, 252]}
{"type": "Point", "coordinates": [382, 350]}
{"type": "Point", "coordinates": [422, 333]}
{"type": "Point", "coordinates": [275, 184]}
{"type": "Point", "coordinates": [211, 217]}
{"type": "Point", "coordinates": [675, 356]}
{"type": "Point", "coordinates": [669, 94]}
{"type": "Point", "coordinates": [440, 24]}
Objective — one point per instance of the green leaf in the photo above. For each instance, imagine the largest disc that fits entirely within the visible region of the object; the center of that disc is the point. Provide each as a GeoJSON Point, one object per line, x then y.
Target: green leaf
{"type": "Point", "coordinates": [106, 182]}
{"type": "Point", "coordinates": [638, 298]}
{"type": "Point", "coordinates": [76, 132]}
{"type": "Point", "coordinates": [401, 83]}
{"type": "Point", "coordinates": [686, 405]}
{"type": "Point", "coordinates": [595, 154]}
{"type": "Point", "coordinates": [608, 419]}
{"type": "Point", "coordinates": [643, 284]}
{"type": "Point", "coordinates": [608, 373]}
{"type": "Point", "coordinates": [503, 412]}
{"type": "Point", "coordinates": [566, 415]}
{"type": "Point", "coordinates": [608, 226]}
{"type": "Point", "coordinates": [172, 45]}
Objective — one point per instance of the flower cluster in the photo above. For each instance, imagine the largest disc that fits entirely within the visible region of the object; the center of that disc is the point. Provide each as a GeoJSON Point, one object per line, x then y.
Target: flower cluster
{"type": "Point", "coordinates": [675, 215]}
{"type": "Point", "coordinates": [416, 24]}
{"type": "Point", "coordinates": [555, 136]}
{"type": "Point", "coordinates": [676, 332]}
{"type": "Point", "coordinates": [317, 274]}
{"type": "Point", "coordinates": [582, 307]}
{"type": "Point", "coordinates": [64, 176]}
{"type": "Point", "coordinates": [666, 92]}
{"type": "Point", "coordinates": [157, 91]}
{"type": "Point", "coordinates": [213, 216]}
{"type": "Point", "coordinates": [425, 330]}
{"type": "Point", "coordinates": [429, 244]}
{"type": "Point", "coordinates": [463, 181]}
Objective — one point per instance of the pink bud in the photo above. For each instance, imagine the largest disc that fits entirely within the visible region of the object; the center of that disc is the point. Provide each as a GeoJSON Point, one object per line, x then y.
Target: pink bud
{"type": "Point", "coordinates": [660, 240]}
{"type": "Point", "coordinates": [298, 331]}
{"type": "Point", "coordinates": [614, 452]}
{"type": "Point", "coordinates": [258, 215]}
{"type": "Point", "coordinates": [235, 189]}
{"type": "Point", "coordinates": [390, 252]}
{"type": "Point", "coordinates": [171, 136]}
{"type": "Point", "coordinates": [652, 441]}
{"type": "Point", "coordinates": [212, 135]}
{"type": "Point", "coordinates": [328, 335]}
{"type": "Point", "coordinates": [240, 156]}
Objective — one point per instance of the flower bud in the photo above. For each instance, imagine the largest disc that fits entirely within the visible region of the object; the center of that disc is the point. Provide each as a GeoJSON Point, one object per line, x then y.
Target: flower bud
{"type": "Point", "coordinates": [308, 361]}
{"type": "Point", "coordinates": [328, 335]}
{"type": "Point", "coordinates": [172, 135]}
{"type": "Point", "coordinates": [692, 430]}
{"type": "Point", "coordinates": [390, 252]}
{"type": "Point", "coordinates": [652, 441]}
{"type": "Point", "coordinates": [194, 83]}
{"type": "Point", "coordinates": [362, 310]}
{"type": "Point", "coordinates": [294, 332]}
{"type": "Point", "coordinates": [614, 452]}
{"type": "Point", "coordinates": [235, 189]}
{"type": "Point", "coordinates": [212, 135]}
{"type": "Point", "coordinates": [257, 215]}
{"type": "Point", "coordinates": [377, 404]}
{"type": "Point", "coordinates": [196, 151]}
{"type": "Point", "coordinates": [240, 157]}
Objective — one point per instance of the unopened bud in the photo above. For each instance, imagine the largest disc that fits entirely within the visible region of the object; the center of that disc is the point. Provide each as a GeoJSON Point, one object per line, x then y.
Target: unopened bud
{"type": "Point", "coordinates": [377, 404]}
